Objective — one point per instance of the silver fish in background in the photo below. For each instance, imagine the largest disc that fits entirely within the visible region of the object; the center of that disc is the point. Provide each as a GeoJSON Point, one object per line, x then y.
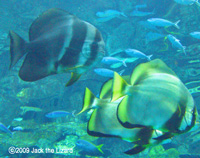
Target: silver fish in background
{"type": "Point", "coordinates": [176, 43]}
{"type": "Point", "coordinates": [18, 128]}
{"type": "Point", "coordinates": [137, 54]}
{"type": "Point", "coordinates": [113, 60]}
{"type": "Point", "coordinates": [110, 13]}
{"type": "Point", "coordinates": [163, 22]}
{"type": "Point", "coordinates": [106, 72]}
{"type": "Point", "coordinates": [58, 42]}
{"type": "Point", "coordinates": [187, 2]}
{"type": "Point", "coordinates": [195, 34]}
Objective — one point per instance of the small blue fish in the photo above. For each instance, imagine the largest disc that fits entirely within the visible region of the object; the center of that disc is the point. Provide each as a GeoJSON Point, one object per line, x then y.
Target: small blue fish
{"type": "Point", "coordinates": [106, 72]}
{"type": "Point", "coordinates": [141, 14]}
{"type": "Point", "coordinates": [18, 119]}
{"type": "Point", "coordinates": [176, 43]}
{"type": "Point", "coordinates": [153, 36]}
{"type": "Point", "coordinates": [110, 13]}
{"type": "Point", "coordinates": [4, 129]}
{"type": "Point", "coordinates": [18, 128]}
{"type": "Point", "coordinates": [137, 54]}
{"type": "Point", "coordinates": [187, 2]}
{"type": "Point", "coordinates": [195, 34]}
{"type": "Point", "coordinates": [88, 147]}
{"type": "Point", "coordinates": [56, 114]}
{"type": "Point", "coordinates": [112, 60]}
{"type": "Point", "coordinates": [163, 23]}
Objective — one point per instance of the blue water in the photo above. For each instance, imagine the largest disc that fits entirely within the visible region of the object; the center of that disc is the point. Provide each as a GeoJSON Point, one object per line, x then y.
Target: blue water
{"type": "Point", "coordinates": [31, 101]}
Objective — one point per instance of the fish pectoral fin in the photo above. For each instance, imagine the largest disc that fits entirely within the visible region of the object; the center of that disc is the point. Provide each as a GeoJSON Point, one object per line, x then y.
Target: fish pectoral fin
{"type": "Point", "coordinates": [73, 79]}
{"type": "Point", "coordinates": [135, 150]}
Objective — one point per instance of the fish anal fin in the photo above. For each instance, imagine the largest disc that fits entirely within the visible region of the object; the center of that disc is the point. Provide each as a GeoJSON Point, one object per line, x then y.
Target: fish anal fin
{"type": "Point", "coordinates": [73, 79]}
{"type": "Point", "coordinates": [135, 150]}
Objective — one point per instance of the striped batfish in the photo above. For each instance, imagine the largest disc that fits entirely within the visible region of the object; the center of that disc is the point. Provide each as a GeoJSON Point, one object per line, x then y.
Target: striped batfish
{"type": "Point", "coordinates": [58, 42]}
{"type": "Point", "coordinates": [103, 121]}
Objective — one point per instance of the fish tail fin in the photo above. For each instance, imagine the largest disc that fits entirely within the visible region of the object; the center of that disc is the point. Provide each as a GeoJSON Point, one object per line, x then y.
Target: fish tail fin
{"type": "Point", "coordinates": [17, 48]}
{"type": "Point", "coordinates": [119, 85]}
{"type": "Point", "coordinates": [149, 57]}
{"type": "Point", "coordinates": [121, 72]}
{"type": "Point", "coordinates": [99, 148]}
{"type": "Point", "coordinates": [123, 14]}
{"type": "Point", "coordinates": [88, 101]}
{"type": "Point", "coordinates": [73, 113]}
{"type": "Point", "coordinates": [176, 24]}
{"type": "Point", "coordinates": [197, 2]}
{"type": "Point", "coordinates": [124, 62]}
{"type": "Point", "coordinates": [135, 150]}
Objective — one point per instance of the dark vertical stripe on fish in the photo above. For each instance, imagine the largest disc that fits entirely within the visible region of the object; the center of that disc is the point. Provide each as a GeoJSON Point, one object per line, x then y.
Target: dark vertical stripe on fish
{"type": "Point", "coordinates": [94, 48]}
{"type": "Point", "coordinates": [175, 121]}
{"type": "Point", "coordinates": [71, 56]}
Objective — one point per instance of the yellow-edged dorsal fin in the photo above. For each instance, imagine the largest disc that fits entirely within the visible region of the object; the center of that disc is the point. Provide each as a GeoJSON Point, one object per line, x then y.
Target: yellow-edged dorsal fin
{"type": "Point", "coordinates": [145, 69]}
{"type": "Point", "coordinates": [119, 87]}
{"type": "Point", "coordinates": [106, 89]}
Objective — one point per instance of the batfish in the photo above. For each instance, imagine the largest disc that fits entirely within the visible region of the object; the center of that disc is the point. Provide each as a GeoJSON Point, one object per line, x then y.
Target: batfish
{"type": "Point", "coordinates": [58, 43]}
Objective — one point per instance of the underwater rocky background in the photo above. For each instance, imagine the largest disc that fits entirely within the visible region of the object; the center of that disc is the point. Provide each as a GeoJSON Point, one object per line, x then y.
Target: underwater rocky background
{"type": "Point", "coordinates": [31, 101]}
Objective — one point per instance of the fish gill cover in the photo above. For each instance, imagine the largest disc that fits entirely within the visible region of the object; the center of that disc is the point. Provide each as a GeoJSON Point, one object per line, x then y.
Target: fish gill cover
{"type": "Point", "coordinates": [134, 105]}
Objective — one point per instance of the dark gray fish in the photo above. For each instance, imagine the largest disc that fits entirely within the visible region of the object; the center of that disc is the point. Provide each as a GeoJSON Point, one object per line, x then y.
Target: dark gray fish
{"type": "Point", "coordinates": [58, 42]}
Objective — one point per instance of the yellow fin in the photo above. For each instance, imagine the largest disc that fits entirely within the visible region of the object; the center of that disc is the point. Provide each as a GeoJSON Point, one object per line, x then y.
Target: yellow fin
{"type": "Point", "coordinates": [73, 79]}
{"type": "Point", "coordinates": [75, 67]}
{"type": "Point", "coordinates": [145, 69]}
{"type": "Point", "coordinates": [106, 89]}
{"type": "Point", "coordinates": [88, 100]}
{"type": "Point", "coordinates": [119, 87]}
